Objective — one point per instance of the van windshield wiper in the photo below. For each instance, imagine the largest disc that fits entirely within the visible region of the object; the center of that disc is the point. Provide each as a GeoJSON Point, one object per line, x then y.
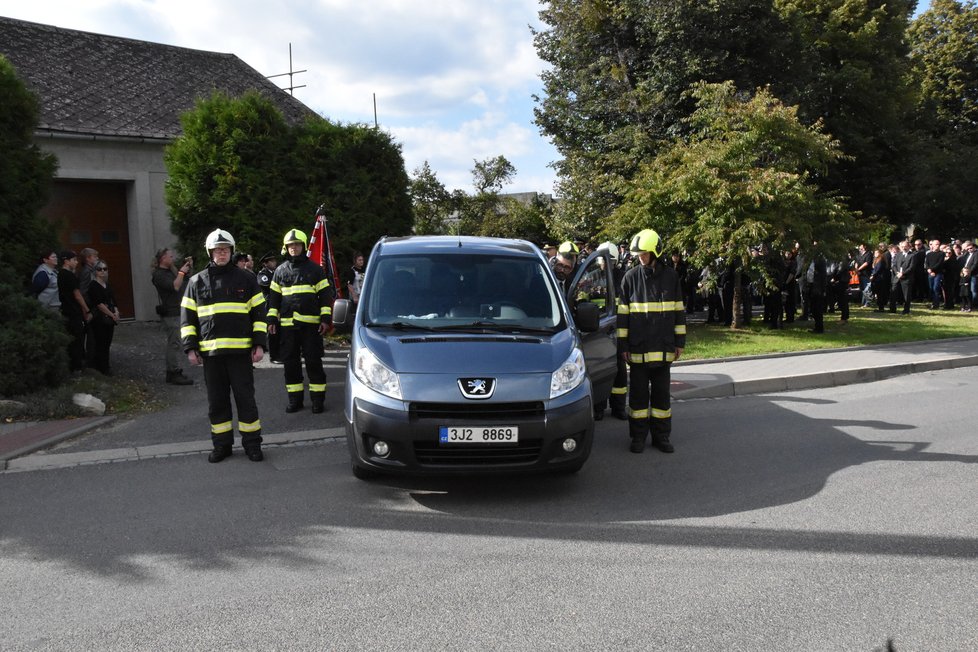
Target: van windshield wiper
{"type": "Point", "coordinates": [401, 326]}
{"type": "Point", "coordinates": [494, 326]}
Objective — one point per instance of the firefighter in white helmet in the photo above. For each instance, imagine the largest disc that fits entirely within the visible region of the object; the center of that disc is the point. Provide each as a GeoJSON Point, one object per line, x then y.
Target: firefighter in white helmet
{"type": "Point", "coordinates": [651, 336]}
{"type": "Point", "coordinates": [222, 326]}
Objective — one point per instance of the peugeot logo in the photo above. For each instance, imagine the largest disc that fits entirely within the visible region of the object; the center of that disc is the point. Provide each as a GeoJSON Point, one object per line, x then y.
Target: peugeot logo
{"type": "Point", "coordinates": [477, 388]}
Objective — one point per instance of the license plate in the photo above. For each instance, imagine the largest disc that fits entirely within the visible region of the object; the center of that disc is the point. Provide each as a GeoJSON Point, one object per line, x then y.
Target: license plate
{"type": "Point", "coordinates": [478, 434]}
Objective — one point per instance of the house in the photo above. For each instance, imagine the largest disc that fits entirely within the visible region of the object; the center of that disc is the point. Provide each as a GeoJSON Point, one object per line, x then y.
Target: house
{"type": "Point", "coordinates": [108, 107]}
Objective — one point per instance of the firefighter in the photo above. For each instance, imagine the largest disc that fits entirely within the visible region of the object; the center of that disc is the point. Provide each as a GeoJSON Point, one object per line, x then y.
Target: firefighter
{"type": "Point", "coordinates": [651, 336]}
{"type": "Point", "coordinates": [300, 309]}
{"type": "Point", "coordinates": [268, 264]}
{"type": "Point", "coordinates": [222, 326]}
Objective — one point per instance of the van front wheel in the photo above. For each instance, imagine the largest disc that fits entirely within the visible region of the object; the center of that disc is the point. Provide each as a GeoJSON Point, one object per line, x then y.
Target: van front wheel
{"type": "Point", "coordinates": [361, 473]}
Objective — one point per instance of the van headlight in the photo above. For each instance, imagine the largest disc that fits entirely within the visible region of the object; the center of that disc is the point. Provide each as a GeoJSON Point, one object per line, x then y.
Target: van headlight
{"type": "Point", "coordinates": [569, 375]}
{"type": "Point", "coordinates": [372, 373]}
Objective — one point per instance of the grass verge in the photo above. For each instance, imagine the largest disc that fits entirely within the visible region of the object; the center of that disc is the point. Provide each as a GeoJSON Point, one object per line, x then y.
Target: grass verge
{"type": "Point", "coordinates": [865, 327]}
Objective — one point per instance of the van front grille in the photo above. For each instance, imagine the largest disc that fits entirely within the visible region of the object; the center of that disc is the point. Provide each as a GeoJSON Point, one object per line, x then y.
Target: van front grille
{"type": "Point", "coordinates": [454, 413]}
{"type": "Point", "coordinates": [526, 452]}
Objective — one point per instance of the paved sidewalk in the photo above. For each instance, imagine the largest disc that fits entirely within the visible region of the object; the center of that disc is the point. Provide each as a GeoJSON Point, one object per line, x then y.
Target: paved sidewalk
{"type": "Point", "coordinates": [691, 380]}
{"type": "Point", "coordinates": [811, 369]}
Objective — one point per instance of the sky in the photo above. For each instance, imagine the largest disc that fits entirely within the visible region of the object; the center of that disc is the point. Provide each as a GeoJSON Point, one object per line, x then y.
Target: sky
{"type": "Point", "coordinates": [453, 79]}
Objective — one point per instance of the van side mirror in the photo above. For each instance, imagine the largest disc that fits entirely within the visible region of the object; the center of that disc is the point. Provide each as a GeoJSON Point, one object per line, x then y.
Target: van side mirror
{"type": "Point", "coordinates": [587, 317]}
{"type": "Point", "coordinates": [342, 314]}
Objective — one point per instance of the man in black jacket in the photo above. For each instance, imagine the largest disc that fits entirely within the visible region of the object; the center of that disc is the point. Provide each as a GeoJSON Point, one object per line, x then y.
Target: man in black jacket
{"type": "Point", "coordinates": [902, 268]}
{"type": "Point", "coordinates": [934, 265]}
{"type": "Point", "coordinates": [651, 336]}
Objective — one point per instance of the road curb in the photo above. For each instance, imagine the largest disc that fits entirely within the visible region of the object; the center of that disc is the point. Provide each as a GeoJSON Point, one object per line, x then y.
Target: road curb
{"type": "Point", "coordinates": [46, 434]}
{"type": "Point", "coordinates": [136, 453]}
{"type": "Point", "coordinates": [720, 388]}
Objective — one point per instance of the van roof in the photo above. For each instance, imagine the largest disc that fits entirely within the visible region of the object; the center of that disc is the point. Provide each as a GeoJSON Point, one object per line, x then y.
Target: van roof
{"type": "Point", "coordinates": [456, 244]}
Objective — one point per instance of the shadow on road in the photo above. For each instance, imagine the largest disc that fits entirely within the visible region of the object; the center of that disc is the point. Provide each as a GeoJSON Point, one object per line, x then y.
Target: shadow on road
{"type": "Point", "coordinates": [109, 519]}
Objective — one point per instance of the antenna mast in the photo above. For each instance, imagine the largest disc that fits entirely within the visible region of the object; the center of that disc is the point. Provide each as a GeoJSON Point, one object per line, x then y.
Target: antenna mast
{"type": "Point", "coordinates": [291, 73]}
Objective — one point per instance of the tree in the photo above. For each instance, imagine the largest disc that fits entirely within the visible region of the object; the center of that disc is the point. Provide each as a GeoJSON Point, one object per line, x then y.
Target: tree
{"type": "Point", "coordinates": [32, 338]}
{"type": "Point", "coordinates": [240, 166]}
{"type": "Point", "coordinates": [518, 218]}
{"type": "Point", "coordinates": [230, 169]}
{"type": "Point", "coordinates": [616, 89]}
{"type": "Point", "coordinates": [431, 202]}
{"type": "Point", "coordinates": [744, 175]}
{"type": "Point", "coordinates": [944, 47]}
{"type": "Point", "coordinates": [25, 180]}
{"type": "Point", "coordinates": [852, 69]}
{"type": "Point", "coordinates": [476, 212]}
{"type": "Point", "coordinates": [358, 173]}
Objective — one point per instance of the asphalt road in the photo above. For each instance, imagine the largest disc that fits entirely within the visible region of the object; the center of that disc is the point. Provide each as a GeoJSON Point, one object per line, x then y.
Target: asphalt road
{"type": "Point", "coordinates": [831, 519]}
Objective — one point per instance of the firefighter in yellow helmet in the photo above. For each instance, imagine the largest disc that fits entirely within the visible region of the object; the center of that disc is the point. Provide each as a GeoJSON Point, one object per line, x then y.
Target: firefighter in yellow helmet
{"type": "Point", "coordinates": [300, 309]}
{"type": "Point", "coordinates": [565, 263]}
{"type": "Point", "coordinates": [651, 336]}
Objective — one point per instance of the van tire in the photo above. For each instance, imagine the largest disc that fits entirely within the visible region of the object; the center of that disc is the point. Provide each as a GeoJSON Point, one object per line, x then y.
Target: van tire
{"type": "Point", "coordinates": [571, 470]}
{"type": "Point", "coordinates": [361, 473]}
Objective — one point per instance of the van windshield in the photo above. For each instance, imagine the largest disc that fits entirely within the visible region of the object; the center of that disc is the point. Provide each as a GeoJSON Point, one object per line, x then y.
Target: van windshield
{"type": "Point", "coordinates": [458, 291]}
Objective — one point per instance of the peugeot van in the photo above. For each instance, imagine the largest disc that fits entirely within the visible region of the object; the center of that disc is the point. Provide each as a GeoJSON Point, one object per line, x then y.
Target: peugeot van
{"type": "Point", "coordinates": [469, 356]}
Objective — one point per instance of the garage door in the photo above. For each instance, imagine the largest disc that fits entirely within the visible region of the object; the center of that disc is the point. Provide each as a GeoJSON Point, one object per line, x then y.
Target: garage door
{"type": "Point", "coordinates": [93, 214]}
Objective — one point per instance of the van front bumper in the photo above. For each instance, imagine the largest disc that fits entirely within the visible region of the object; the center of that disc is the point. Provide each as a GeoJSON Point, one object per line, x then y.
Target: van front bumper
{"type": "Point", "coordinates": [412, 436]}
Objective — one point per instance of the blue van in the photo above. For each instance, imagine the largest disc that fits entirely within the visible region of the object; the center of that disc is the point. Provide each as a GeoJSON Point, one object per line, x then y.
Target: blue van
{"type": "Point", "coordinates": [468, 355]}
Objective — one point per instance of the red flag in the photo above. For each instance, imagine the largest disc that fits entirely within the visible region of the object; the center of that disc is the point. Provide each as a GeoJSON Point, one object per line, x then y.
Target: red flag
{"type": "Point", "coordinates": [321, 251]}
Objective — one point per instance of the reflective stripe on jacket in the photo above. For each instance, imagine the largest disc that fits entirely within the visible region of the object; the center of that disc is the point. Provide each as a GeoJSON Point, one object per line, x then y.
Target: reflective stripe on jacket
{"type": "Point", "coordinates": [651, 314]}
{"type": "Point", "coordinates": [222, 312]}
{"type": "Point", "coordinates": [300, 293]}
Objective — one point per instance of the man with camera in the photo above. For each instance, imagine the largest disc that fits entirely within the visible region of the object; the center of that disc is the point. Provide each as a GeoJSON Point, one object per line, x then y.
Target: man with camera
{"type": "Point", "coordinates": [169, 284]}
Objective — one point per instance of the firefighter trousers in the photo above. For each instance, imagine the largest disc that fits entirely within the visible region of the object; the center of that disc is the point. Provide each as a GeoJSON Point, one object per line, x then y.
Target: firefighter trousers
{"type": "Point", "coordinates": [298, 342]}
{"type": "Point", "coordinates": [224, 375]}
{"type": "Point", "coordinates": [648, 401]}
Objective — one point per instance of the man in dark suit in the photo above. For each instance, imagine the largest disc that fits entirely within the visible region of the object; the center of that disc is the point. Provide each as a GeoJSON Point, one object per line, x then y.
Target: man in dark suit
{"type": "Point", "coordinates": [902, 283]}
{"type": "Point", "coordinates": [969, 272]}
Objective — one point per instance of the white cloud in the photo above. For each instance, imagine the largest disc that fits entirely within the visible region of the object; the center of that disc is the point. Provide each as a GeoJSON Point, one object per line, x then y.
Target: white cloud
{"type": "Point", "coordinates": [452, 78]}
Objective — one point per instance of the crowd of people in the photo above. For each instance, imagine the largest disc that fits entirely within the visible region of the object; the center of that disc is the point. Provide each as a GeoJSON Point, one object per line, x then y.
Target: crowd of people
{"type": "Point", "coordinates": [77, 286]}
{"type": "Point", "coordinates": [800, 284]}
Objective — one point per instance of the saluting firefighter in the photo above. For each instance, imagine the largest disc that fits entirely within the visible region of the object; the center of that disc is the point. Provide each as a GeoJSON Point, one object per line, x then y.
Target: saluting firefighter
{"type": "Point", "coordinates": [651, 336]}
{"type": "Point", "coordinates": [222, 326]}
{"type": "Point", "coordinates": [300, 309]}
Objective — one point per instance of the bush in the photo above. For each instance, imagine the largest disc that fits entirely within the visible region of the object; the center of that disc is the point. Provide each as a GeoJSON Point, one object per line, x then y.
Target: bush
{"type": "Point", "coordinates": [34, 344]}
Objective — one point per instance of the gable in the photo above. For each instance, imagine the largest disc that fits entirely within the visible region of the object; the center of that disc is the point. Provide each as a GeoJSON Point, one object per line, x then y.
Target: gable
{"type": "Point", "coordinates": [92, 84]}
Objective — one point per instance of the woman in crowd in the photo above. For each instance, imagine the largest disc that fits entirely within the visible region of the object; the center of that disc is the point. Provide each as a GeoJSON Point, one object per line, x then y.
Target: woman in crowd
{"type": "Point", "coordinates": [106, 316]}
{"type": "Point", "coordinates": [44, 283]}
{"type": "Point", "coordinates": [879, 280]}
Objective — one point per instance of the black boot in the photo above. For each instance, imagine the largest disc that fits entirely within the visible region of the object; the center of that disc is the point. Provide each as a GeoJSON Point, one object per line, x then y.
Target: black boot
{"type": "Point", "coordinates": [619, 412]}
{"type": "Point", "coordinates": [637, 445]}
{"type": "Point", "coordinates": [318, 407]}
{"type": "Point", "coordinates": [662, 443]}
{"type": "Point", "coordinates": [177, 378]}
{"type": "Point", "coordinates": [295, 403]}
{"type": "Point", "coordinates": [254, 453]}
{"type": "Point", "coordinates": [218, 454]}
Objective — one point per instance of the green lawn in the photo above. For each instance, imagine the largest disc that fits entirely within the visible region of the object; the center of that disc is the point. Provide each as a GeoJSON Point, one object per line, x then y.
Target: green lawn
{"type": "Point", "coordinates": [711, 341]}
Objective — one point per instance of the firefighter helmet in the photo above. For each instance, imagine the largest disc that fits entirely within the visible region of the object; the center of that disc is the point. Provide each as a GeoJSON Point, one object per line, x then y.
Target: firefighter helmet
{"type": "Point", "coordinates": [293, 236]}
{"type": "Point", "coordinates": [646, 241]}
{"type": "Point", "coordinates": [568, 249]}
{"type": "Point", "coordinates": [609, 247]}
{"type": "Point", "coordinates": [218, 238]}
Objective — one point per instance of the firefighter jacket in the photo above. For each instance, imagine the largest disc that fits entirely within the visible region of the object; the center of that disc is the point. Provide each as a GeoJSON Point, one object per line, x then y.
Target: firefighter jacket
{"type": "Point", "coordinates": [222, 312]}
{"type": "Point", "coordinates": [300, 293]}
{"type": "Point", "coordinates": [651, 316]}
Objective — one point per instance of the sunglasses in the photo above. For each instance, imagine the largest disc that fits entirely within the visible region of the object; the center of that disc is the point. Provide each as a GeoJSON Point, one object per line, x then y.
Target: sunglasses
{"type": "Point", "coordinates": [101, 269]}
